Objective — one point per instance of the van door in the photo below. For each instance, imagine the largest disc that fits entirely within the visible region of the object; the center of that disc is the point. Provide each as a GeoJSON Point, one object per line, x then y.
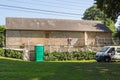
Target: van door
{"type": "Point", "coordinates": [111, 52]}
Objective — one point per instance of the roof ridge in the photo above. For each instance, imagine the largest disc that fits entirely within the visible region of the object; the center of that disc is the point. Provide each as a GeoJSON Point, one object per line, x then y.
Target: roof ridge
{"type": "Point", "coordinates": [55, 19]}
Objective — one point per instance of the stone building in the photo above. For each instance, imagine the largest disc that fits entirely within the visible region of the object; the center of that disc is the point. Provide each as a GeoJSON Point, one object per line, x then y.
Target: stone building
{"type": "Point", "coordinates": [55, 34]}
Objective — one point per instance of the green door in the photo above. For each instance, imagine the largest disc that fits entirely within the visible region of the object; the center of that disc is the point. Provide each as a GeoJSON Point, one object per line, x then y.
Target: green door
{"type": "Point", "coordinates": [39, 53]}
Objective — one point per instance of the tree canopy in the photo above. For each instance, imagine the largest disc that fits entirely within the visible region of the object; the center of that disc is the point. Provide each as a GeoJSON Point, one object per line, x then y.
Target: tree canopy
{"type": "Point", "coordinates": [2, 28]}
{"type": "Point", "coordinates": [110, 7]}
{"type": "Point", "coordinates": [2, 36]}
{"type": "Point", "coordinates": [93, 13]}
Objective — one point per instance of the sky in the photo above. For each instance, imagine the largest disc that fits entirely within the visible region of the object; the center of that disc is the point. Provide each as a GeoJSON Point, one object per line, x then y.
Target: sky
{"type": "Point", "coordinates": [56, 9]}
{"type": "Point", "coordinates": [117, 24]}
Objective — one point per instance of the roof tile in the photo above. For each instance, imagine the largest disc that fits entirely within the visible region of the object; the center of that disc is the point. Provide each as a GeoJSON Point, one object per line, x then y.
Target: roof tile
{"type": "Point", "coordinates": [54, 24]}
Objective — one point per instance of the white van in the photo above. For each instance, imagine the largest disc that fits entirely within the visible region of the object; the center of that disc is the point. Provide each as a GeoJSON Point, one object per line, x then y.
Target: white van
{"type": "Point", "coordinates": [108, 53]}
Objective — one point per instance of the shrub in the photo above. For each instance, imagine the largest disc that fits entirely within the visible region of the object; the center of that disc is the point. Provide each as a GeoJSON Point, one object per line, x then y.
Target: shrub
{"type": "Point", "coordinates": [59, 56]}
{"type": "Point", "coordinates": [13, 54]}
{"type": "Point", "coordinates": [2, 52]}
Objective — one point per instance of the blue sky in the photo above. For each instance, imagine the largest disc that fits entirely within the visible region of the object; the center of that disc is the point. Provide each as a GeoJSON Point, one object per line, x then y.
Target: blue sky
{"type": "Point", "coordinates": [62, 9]}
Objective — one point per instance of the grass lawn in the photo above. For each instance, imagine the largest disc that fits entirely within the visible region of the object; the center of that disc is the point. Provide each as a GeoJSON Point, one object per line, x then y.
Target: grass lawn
{"type": "Point", "coordinates": [12, 69]}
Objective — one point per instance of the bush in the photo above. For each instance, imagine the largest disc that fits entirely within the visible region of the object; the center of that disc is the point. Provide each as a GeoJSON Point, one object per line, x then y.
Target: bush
{"type": "Point", "coordinates": [11, 53]}
{"type": "Point", "coordinates": [2, 52]}
{"type": "Point", "coordinates": [60, 56]}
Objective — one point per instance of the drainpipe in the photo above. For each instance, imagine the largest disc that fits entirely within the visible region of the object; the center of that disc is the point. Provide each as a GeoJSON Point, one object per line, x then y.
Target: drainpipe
{"type": "Point", "coordinates": [86, 39]}
{"type": "Point", "coordinates": [28, 49]}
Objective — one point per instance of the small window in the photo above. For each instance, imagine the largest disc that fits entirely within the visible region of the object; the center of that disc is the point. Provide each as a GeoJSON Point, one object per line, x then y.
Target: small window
{"type": "Point", "coordinates": [118, 50]}
{"type": "Point", "coordinates": [47, 35]}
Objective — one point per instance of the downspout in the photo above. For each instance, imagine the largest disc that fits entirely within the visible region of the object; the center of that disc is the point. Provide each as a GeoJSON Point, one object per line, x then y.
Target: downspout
{"type": "Point", "coordinates": [4, 38]}
{"type": "Point", "coordinates": [86, 39]}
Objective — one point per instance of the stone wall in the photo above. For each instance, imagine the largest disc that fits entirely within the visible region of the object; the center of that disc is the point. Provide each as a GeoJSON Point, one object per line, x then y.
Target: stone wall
{"type": "Point", "coordinates": [52, 40]}
{"type": "Point", "coordinates": [99, 38]}
{"type": "Point", "coordinates": [16, 39]}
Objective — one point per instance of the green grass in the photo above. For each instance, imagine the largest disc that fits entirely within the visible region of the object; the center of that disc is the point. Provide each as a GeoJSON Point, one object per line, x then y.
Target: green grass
{"type": "Point", "coordinates": [13, 69]}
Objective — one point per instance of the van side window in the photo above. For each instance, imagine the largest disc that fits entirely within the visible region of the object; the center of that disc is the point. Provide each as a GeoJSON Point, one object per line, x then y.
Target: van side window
{"type": "Point", "coordinates": [111, 50]}
{"type": "Point", "coordinates": [118, 50]}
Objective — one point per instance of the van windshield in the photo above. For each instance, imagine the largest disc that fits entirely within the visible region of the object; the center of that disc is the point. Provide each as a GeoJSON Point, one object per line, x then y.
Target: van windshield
{"type": "Point", "coordinates": [104, 49]}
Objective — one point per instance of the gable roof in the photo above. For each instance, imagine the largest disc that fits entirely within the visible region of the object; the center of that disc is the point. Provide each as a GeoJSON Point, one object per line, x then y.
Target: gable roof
{"type": "Point", "coordinates": [54, 24]}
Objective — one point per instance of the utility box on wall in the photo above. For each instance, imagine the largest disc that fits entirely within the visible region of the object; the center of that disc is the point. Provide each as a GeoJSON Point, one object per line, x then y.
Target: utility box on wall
{"type": "Point", "coordinates": [39, 53]}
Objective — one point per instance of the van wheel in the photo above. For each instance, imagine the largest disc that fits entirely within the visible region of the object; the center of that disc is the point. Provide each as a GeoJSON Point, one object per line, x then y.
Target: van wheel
{"type": "Point", "coordinates": [107, 59]}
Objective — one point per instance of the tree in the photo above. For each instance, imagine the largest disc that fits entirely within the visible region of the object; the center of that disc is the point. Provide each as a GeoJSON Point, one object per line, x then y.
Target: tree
{"type": "Point", "coordinates": [93, 13]}
{"type": "Point", "coordinates": [2, 36]}
{"type": "Point", "coordinates": [2, 28]}
{"type": "Point", "coordinates": [110, 7]}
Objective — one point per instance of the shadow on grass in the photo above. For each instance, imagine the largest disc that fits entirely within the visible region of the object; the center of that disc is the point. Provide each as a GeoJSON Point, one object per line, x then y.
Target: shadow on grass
{"type": "Point", "coordinates": [22, 70]}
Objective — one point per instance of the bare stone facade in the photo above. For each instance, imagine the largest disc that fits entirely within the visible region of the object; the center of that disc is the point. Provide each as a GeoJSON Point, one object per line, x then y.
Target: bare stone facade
{"type": "Point", "coordinates": [53, 40]}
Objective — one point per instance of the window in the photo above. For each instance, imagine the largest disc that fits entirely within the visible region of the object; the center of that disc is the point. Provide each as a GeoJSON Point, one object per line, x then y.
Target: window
{"type": "Point", "coordinates": [112, 49]}
{"type": "Point", "coordinates": [118, 50]}
{"type": "Point", "coordinates": [104, 49]}
{"type": "Point", "coordinates": [47, 35]}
